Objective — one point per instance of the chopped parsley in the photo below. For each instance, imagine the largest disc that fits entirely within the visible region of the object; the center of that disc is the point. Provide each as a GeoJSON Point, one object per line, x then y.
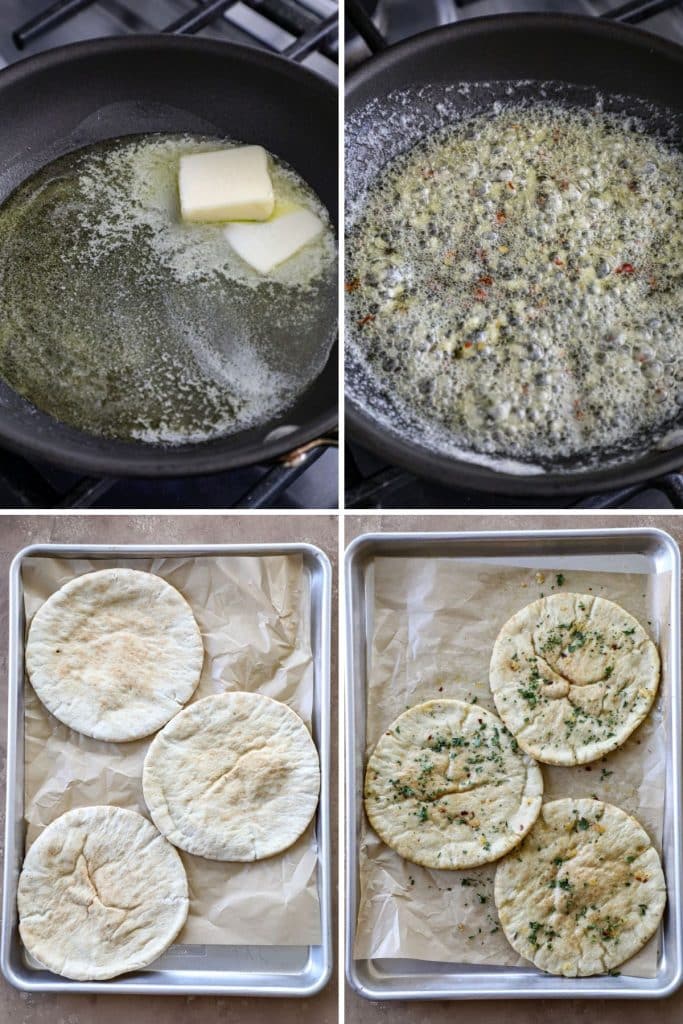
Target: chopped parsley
{"type": "Point", "coordinates": [577, 640]}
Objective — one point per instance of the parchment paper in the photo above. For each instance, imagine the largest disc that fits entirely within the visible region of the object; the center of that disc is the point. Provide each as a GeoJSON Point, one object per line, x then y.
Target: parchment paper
{"type": "Point", "coordinates": [432, 625]}
{"type": "Point", "coordinates": [254, 616]}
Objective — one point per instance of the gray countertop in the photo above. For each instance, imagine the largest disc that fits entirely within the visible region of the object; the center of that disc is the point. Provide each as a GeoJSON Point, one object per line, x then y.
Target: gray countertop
{"type": "Point", "coordinates": [15, 532]}
{"type": "Point", "coordinates": [361, 1011]}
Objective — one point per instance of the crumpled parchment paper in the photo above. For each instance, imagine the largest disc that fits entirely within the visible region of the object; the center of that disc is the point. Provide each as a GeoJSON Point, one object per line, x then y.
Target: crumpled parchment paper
{"type": "Point", "coordinates": [432, 623]}
{"type": "Point", "coordinates": [254, 616]}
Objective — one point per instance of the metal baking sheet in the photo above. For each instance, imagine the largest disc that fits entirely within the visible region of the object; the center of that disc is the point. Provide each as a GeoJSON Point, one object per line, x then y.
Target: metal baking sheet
{"type": "Point", "coordinates": [646, 551]}
{"type": "Point", "coordinates": [184, 969]}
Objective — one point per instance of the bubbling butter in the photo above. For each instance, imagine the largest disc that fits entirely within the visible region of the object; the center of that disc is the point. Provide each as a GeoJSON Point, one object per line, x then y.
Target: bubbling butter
{"type": "Point", "coordinates": [514, 280]}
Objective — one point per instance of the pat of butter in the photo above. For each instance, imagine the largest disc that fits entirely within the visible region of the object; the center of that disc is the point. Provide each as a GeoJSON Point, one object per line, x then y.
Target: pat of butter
{"type": "Point", "coordinates": [264, 246]}
{"type": "Point", "coordinates": [229, 184]}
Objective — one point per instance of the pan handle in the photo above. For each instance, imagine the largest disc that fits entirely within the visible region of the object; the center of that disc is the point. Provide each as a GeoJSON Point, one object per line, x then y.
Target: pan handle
{"type": "Point", "coordinates": [283, 473]}
{"type": "Point", "coordinates": [365, 26]}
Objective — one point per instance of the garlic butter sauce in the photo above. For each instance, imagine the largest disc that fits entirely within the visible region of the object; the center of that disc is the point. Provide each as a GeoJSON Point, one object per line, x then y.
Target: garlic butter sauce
{"type": "Point", "coordinates": [514, 280]}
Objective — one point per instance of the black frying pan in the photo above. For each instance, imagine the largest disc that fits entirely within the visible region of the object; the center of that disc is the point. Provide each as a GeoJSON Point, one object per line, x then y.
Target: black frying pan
{"type": "Point", "coordinates": [585, 53]}
{"type": "Point", "coordinates": [70, 97]}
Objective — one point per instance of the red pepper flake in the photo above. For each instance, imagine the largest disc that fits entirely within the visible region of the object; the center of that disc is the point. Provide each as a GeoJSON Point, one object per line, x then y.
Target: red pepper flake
{"type": "Point", "coordinates": [479, 293]}
{"type": "Point", "coordinates": [625, 268]}
{"type": "Point", "coordinates": [511, 185]}
{"type": "Point", "coordinates": [468, 344]}
{"type": "Point", "coordinates": [486, 279]}
{"type": "Point", "coordinates": [427, 172]}
{"type": "Point", "coordinates": [501, 217]}
{"type": "Point", "coordinates": [366, 320]}
{"type": "Point", "coordinates": [558, 262]}
{"type": "Point", "coordinates": [351, 286]}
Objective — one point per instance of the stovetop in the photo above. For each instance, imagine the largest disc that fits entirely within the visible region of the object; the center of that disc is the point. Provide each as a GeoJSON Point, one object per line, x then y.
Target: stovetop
{"type": "Point", "coordinates": [29, 26]}
{"type": "Point", "coordinates": [271, 24]}
{"type": "Point", "coordinates": [399, 19]}
{"type": "Point", "coordinates": [372, 483]}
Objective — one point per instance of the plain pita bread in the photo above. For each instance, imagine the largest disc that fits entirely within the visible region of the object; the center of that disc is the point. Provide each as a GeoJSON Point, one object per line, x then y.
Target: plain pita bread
{"type": "Point", "coordinates": [101, 893]}
{"type": "Point", "coordinates": [233, 777]}
{"type": "Point", "coordinates": [114, 654]}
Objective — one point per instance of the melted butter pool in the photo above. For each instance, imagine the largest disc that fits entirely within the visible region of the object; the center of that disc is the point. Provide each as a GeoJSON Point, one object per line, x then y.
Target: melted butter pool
{"type": "Point", "coordinates": [514, 280]}
{"type": "Point", "coordinates": [117, 318]}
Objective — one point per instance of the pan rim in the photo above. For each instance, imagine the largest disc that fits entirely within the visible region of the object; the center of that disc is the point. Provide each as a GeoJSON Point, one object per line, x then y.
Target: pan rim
{"type": "Point", "coordinates": [430, 465]}
{"type": "Point", "coordinates": [118, 458]}
{"type": "Point", "coordinates": [110, 44]}
{"type": "Point", "coordinates": [433, 465]}
{"type": "Point", "coordinates": [142, 459]}
{"type": "Point", "coordinates": [509, 23]}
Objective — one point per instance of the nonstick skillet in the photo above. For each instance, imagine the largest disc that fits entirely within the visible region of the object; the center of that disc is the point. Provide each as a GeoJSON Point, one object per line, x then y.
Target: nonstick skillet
{"type": "Point", "coordinates": [77, 95]}
{"type": "Point", "coordinates": [586, 55]}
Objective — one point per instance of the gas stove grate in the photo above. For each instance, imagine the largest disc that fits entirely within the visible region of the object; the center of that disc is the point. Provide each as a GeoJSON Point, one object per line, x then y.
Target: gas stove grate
{"type": "Point", "coordinates": [371, 484]}
{"type": "Point", "coordinates": [631, 12]}
{"type": "Point", "coordinates": [302, 26]}
{"type": "Point", "coordinates": [24, 484]}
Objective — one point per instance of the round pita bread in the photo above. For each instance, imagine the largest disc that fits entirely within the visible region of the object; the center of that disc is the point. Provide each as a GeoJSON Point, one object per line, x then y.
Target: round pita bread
{"type": "Point", "coordinates": [114, 654]}
{"type": "Point", "coordinates": [584, 892]}
{"type": "Point", "coordinates": [233, 777]}
{"type": "Point", "coordinates": [447, 786]}
{"type": "Point", "coordinates": [101, 893]}
{"type": "Point", "coordinates": [572, 676]}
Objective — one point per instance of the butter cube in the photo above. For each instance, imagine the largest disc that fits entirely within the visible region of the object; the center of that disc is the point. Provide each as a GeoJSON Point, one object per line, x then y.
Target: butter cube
{"type": "Point", "coordinates": [228, 184]}
{"type": "Point", "coordinates": [264, 246]}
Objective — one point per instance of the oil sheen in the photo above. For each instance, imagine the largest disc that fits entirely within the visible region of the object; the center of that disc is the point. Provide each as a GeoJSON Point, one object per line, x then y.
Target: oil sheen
{"type": "Point", "coordinates": [515, 281]}
{"type": "Point", "coordinates": [119, 319]}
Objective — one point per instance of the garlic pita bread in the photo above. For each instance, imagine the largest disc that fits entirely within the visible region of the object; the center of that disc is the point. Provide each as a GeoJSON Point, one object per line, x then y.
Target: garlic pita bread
{"type": "Point", "coordinates": [233, 777]}
{"type": "Point", "coordinates": [572, 676]}
{"type": "Point", "coordinates": [585, 890]}
{"type": "Point", "coordinates": [447, 786]}
{"type": "Point", "coordinates": [101, 893]}
{"type": "Point", "coordinates": [114, 654]}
